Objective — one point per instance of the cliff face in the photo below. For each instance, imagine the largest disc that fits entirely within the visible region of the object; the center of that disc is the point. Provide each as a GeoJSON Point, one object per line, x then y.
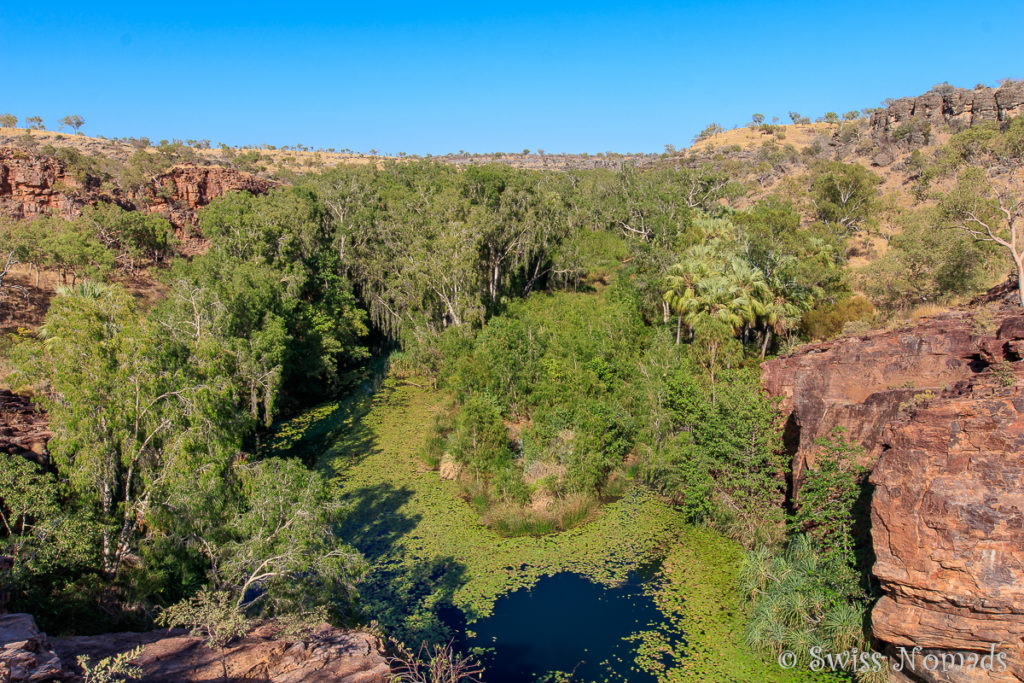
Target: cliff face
{"type": "Point", "coordinates": [31, 185]}
{"type": "Point", "coordinates": [858, 383]}
{"type": "Point", "coordinates": [939, 408]}
{"type": "Point", "coordinates": [179, 193]}
{"type": "Point", "coordinates": [948, 522]}
{"type": "Point", "coordinates": [958, 108]}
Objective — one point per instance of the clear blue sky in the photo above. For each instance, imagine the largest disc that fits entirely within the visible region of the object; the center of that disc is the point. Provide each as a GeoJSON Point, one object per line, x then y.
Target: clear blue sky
{"type": "Point", "coordinates": [484, 76]}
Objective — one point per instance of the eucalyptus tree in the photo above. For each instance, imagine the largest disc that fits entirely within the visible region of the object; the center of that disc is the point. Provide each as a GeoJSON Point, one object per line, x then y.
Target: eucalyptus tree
{"type": "Point", "coordinates": [128, 424]}
{"type": "Point", "coordinates": [987, 202]}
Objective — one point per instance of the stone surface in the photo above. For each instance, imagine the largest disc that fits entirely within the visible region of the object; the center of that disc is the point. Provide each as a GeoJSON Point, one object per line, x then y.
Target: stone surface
{"type": "Point", "coordinates": [23, 427]}
{"type": "Point", "coordinates": [325, 654]}
{"type": "Point", "coordinates": [25, 653]}
{"type": "Point", "coordinates": [179, 193]}
{"type": "Point", "coordinates": [948, 522]}
{"type": "Point", "coordinates": [858, 383]}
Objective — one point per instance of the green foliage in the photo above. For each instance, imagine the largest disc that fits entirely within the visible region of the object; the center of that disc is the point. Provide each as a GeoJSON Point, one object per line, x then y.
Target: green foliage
{"type": "Point", "coordinates": [213, 615]}
{"type": "Point", "coordinates": [272, 289]}
{"type": "Point", "coordinates": [73, 121]}
{"type": "Point", "coordinates": [723, 459]}
{"type": "Point", "coordinates": [828, 319]}
{"type": "Point", "coordinates": [800, 600]}
{"type": "Point", "coordinates": [479, 440]}
{"type": "Point", "coordinates": [109, 669]}
{"type": "Point", "coordinates": [844, 196]}
{"type": "Point", "coordinates": [828, 496]}
{"type": "Point", "coordinates": [558, 365]}
{"type": "Point", "coordinates": [812, 593]}
{"type": "Point", "coordinates": [709, 131]}
{"type": "Point", "coordinates": [278, 542]}
{"type": "Point", "coordinates": [53, 542]}
{"type": "Point", "coordinates": [134, 236]}
{"type": "Point", "coordinates": [123, 426]}
{"type": "Point", "coordinates": [699, 592]}
{"type": "Point", "coordinates": [926, 264]}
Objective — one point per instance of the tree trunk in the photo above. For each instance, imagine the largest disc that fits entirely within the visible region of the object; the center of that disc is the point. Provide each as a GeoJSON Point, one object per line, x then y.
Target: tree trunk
{"type": "Point", "coordinates": [1020, 279]}
{"type": "Point", "coordinates": [767, 338]}
{"type": "Point", "coordinates": [679, 329]}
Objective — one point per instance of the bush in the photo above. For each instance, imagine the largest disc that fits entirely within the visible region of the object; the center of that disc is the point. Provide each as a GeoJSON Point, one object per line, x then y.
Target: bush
{"type": "Point", "coordinates": [826, 320]}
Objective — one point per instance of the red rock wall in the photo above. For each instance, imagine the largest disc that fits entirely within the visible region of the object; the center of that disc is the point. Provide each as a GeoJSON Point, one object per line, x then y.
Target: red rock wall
{"type": "Point", "coordinates": [31, 185]}
{"type": "Point", "coordinates": [858, 383]}
{"type": "Point", "coordinates": [948, 503]}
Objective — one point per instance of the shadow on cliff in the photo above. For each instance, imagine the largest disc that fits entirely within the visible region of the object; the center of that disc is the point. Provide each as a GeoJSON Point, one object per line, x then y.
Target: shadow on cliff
{"type": "Point", "coordinates": [863, 548]}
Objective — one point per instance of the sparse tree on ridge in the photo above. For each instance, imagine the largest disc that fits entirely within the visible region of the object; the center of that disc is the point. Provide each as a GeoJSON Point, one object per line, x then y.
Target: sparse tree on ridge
{"type": "Point", "coordinates": [72, 121]}
{"type": "Point", "coordinates": [35, 123]}
{"type": "Point", "coordinates": [8, 121]}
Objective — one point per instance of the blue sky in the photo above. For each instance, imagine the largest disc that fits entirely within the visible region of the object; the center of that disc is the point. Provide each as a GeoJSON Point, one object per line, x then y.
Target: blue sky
{"type": "Point", "coordinates": [437, 77]}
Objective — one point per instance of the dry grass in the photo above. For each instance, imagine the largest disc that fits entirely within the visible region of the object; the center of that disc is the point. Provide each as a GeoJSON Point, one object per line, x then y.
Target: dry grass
{"type": "Point", "coordinates": [558, 514]}
{"type": "Point", "coordinates": [801, 135]}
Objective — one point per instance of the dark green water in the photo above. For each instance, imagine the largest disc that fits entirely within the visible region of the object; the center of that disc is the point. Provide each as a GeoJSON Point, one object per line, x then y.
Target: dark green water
{"type": "Point", "coordinates": [565, 623]}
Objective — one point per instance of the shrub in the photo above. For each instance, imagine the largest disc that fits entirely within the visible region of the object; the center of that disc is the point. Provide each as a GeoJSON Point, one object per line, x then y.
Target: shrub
{"type": "Point", "coordinates": [826, 320]}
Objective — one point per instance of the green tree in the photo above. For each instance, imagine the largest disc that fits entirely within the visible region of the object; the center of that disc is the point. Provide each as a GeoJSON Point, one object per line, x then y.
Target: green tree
{"type": "Point", "coordinates": [844, 196]}
{"type": "Point", "coordinates": [8, 121]}
{"type": "Point", "coordinates": [125, 429]}
{"type": "Point", "coordinates": [72, 121]}
{"type": "Point", "coordinates": [708, 132]}
{"type": "Point", "coordinates": [986, 202]}
{"type": "Point", "coordinates": [35, 122]}
{"type": "Point", "coordinates": [480, 441]}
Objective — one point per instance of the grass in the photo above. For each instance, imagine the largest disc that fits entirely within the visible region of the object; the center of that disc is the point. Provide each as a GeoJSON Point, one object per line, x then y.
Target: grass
{"type": "Point", "coordinates": [428, 550]}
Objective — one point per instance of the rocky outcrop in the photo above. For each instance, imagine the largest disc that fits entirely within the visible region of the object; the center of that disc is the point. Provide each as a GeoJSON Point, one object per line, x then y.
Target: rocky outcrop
{"type": "Point", "coordinates": [326, 654]}
{"type": "Point", "coordinates": [859, 383]}
{"type": "Point", "coordinates": [957, 108]}
{"type": "Point", "coordinates": [939, 408]}
{"type": "Point", "coordinates": [34, 184]}
{"type": "Point", "coordinates": [179, 193]}
{"type": "Point", "coordinates": [31, 185]}
{"type": "Point", "coordinates": [24, 428]}
{"type": "Point", "coordinates": [26, 655]}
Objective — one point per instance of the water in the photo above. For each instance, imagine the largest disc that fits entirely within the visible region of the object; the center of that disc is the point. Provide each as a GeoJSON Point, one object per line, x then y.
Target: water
{"type": "Point", "coordinates": [566, 623]}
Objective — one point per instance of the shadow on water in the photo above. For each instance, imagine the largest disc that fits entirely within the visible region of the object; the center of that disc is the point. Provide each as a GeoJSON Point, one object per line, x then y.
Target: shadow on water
{"type": "Point", "coordinates": [333, 436]}
{"type": "Point", "coordinates": [566, 624]}
{"type": "Point", "coordinates": [374, 524]}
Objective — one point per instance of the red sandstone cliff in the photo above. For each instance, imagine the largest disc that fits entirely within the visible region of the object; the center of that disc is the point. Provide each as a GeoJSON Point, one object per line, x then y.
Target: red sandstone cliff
{"type": "Point", "coordinates": [939, 407]}
{"type": "Point", "coordinates": [33, 184]}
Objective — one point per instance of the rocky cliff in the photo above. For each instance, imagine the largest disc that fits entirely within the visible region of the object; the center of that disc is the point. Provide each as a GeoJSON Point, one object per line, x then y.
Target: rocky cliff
{"type": "Point", "coordinates": [956, 107]}
{"type": "Point", "coordinates": [33, 184]}
{"type": "Point", "coordinates": [939, 408]}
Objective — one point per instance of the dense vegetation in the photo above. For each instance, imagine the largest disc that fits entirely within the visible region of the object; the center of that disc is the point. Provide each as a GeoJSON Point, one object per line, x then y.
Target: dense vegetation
{"type": "Point", "coordinates": [594, 332]}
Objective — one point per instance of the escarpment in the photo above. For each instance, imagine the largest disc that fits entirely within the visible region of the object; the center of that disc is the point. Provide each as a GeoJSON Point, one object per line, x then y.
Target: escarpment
{"type": "Point", "coordinates": [35, 184]}
{"type": "Point", "coordinates": [939, 409]}
{"type": "Point", "coordinates": [957, 108]}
